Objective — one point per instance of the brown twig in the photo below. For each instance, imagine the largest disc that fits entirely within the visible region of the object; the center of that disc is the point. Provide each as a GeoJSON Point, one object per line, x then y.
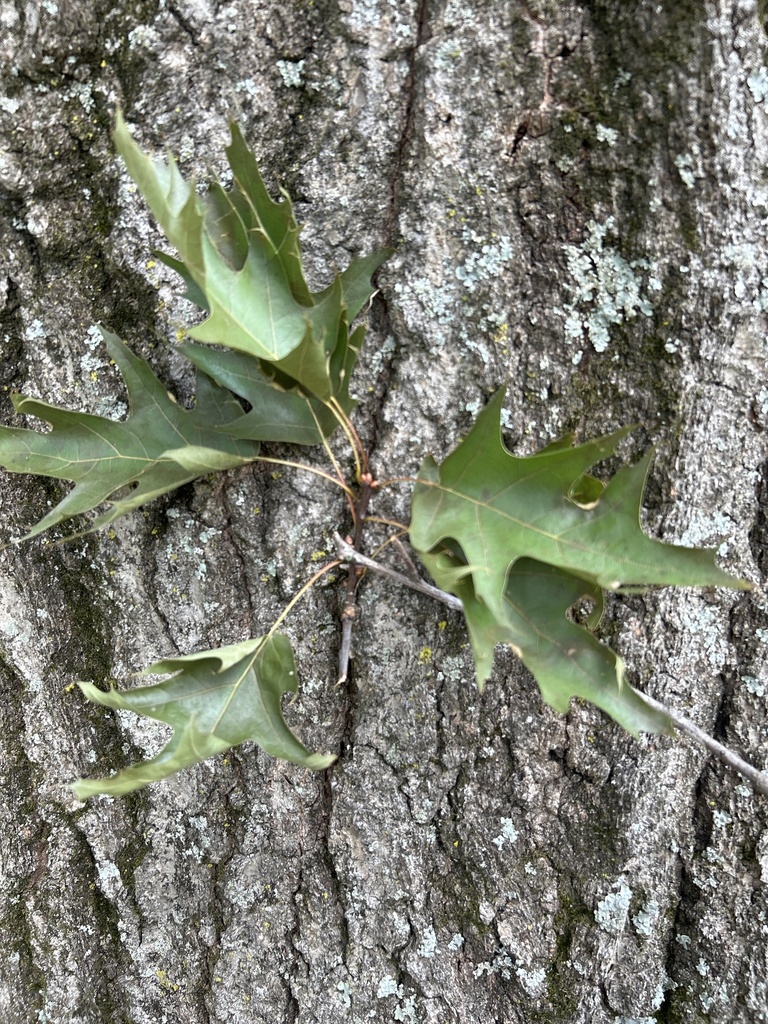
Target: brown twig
{"type": "Point", "coordinates": [349, 609]}
{"type": "Point", "coordinates": [347, 552]}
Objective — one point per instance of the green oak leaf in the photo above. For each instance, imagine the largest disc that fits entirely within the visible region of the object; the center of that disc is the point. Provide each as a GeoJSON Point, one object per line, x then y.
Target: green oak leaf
{"type": "Point", "coordinates": [241, 261]}
{"type": "Point", "coordinates": [316, 372]}
{"type": "Point", "coordinates": [159, 447]}
{"type": "Point", "coordinates": [214, 700]}
{"type": "Point", "coordinates": [324, 361]}
{"type": "Point", "coordinates": [243, 277]}
{"type": "Point", "coordinates": [565, 658]}
{"type": "Point", "coordinates": [277, 413]}
{"type": "Point", "coordinates": [280, 410]}
{"type": "Point", "coordinates": [521, 540]}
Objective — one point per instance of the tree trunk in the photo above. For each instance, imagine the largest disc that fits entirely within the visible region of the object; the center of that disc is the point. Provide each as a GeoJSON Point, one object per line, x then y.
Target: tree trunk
{"type": "Point", "coordinates": [576, 192]}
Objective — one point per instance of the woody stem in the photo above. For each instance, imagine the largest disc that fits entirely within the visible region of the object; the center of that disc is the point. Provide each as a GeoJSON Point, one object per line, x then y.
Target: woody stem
{"type": "Point", "coordinates": [349, 608]}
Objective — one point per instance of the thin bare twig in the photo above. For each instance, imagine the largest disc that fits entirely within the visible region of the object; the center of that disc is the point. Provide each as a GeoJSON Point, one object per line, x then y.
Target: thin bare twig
{"type": "Point", "coordinates": [758, 779]}
{"type": "Point", "coordinates": [348, 554]}
{"type": "Point", "coordinates": [349, 611]}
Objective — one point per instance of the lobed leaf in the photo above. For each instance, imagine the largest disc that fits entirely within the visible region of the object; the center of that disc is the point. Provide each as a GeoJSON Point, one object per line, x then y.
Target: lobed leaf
{"type": "Point", "coordinates": [521, 540]}
{"type": "Point", "coordinates": [159, 447]}
{"type": "Point", "coordinates": [214, 700]}
{"type": "Point", "coordinates": [241, 262]}
{"type": "Point", "coordinates": [565, 658]}
{"type": "Point", "coordinates": [241, 273]}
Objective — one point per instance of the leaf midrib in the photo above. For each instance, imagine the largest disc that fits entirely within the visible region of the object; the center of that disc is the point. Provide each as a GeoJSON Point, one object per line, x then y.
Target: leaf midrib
{"type": "Point", "coordinates": [570, 545]}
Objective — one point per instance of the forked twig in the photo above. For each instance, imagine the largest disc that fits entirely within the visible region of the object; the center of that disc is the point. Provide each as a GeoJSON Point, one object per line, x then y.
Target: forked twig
{"type": "Point", "coordinates": [758, 779]}
{"type": "Point", "coordinates": [348, 554]}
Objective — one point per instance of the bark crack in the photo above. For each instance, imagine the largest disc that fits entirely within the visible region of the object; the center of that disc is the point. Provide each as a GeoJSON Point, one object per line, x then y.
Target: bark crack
{"type": "Point", "coordinates": [299, 959]}
{"type": "Point", "coordinates": [423, 34]}
{"type": "Point", "coordinates": [184, 23]}
{"type": "Point", "coordinates": [382, 317]}
{"type": "Point", "coordinates": [235, 544]}
{"type": "Point", "coordinates": [218, 900]}
{"type": "Point", "coordinates": [337, 885]}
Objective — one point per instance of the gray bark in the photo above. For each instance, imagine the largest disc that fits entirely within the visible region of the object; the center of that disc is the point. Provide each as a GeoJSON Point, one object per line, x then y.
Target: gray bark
{"type": "Point", "coordinates": [577, 196]}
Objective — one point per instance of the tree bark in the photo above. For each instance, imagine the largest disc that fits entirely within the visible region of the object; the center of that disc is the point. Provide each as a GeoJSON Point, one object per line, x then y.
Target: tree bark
{"type": "Point", "coordinates": [576, 193]}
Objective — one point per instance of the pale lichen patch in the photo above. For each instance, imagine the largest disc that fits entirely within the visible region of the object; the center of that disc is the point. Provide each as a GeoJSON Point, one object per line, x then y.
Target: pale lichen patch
{"type": "Point", "coordinates": [612, 911]}
{"type": "Point", "coordinates": [606, 288]}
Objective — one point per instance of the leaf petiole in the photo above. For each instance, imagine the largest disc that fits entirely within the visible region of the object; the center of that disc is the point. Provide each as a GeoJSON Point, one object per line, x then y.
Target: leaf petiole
{"type": "Point", "coordinates": [388, 522]}
{"type": "Point", "coordinates": [346, 424]}
{"type": "Point", "coordinates": [309, 469]}
{"type": "Point", "coordinates": [298, 596]}
{"type": "Point", "coordinates": [332, 458]}
{"type": "Point", "coordinates": [399, 480]}
{"type": "Point", "coordinates": [248, 666]}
